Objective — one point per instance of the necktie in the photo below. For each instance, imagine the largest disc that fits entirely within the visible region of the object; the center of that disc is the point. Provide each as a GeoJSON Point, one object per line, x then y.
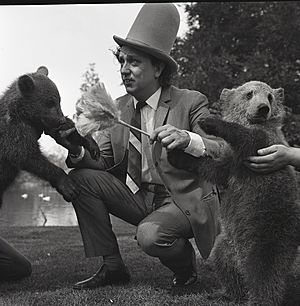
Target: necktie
{"type": "Point", "coordinates": [134, 169]}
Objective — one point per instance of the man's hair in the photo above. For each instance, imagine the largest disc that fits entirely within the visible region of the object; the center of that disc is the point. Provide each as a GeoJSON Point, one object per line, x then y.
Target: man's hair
{"type": "Point", "coordinates": [165, 77]}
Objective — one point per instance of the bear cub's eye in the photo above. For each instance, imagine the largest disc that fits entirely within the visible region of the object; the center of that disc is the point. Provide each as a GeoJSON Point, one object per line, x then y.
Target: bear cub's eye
{"type": "Point", "coordinates": [249, 95]}
{"type": "Point", "coordinates": [270, 98]}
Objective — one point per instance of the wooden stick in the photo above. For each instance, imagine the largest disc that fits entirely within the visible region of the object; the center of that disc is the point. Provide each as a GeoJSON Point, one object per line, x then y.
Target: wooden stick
{"type": "Point", "coordinates": [133, 127]}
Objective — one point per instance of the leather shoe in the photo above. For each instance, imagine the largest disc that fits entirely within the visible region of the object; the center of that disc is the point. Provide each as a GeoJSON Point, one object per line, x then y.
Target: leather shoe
{"type": "Point", "coordinates": [104, 277]}
{"type": "Point", "coordinates": [184, 280]}
{"type": "Point", "coordinates": [187, 278]}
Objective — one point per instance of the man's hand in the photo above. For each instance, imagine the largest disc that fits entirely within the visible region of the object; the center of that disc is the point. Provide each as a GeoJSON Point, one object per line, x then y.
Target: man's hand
{"type": "Point", "coordinates": [271, 159]}
{"type": "Point", "coordinates": [170, 137]}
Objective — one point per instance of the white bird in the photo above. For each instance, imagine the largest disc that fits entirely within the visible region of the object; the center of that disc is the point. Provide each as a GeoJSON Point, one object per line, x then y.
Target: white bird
{"type": "Point", "coordinates": [41, 195]}
{"type": "Point", "coordinates": [47, 198]}
{"type": "Point", "coordinates": [24, 196]}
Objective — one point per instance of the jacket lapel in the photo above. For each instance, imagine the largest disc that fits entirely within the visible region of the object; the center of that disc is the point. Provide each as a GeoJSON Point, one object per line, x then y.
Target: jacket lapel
{"type": "Point", "coordinates": [161, 115]}
{"type": "Point", "coordinates": [120, 133]}
{"type": "Point", "coordinates": [163, 108]}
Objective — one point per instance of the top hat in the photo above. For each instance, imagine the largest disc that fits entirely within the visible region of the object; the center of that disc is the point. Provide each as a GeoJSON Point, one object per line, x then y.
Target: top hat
{"type": "Point", "coordinates": [154, 31]}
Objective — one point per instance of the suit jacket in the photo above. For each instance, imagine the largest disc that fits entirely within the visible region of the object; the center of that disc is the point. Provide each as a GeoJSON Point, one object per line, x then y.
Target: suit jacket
{"type": "Point", "coordinates": [198, 199]}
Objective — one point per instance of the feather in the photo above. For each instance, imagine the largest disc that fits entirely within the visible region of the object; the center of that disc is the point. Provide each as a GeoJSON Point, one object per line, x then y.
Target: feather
{"type": "Point", "coordinates": [97, 111]}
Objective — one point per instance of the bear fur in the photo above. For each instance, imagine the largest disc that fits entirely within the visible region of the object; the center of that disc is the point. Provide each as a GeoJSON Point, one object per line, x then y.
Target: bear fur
{"type": "Point", "coordinates": [259, 213]}
{"type": "Point", "coordinates": [29, 107]}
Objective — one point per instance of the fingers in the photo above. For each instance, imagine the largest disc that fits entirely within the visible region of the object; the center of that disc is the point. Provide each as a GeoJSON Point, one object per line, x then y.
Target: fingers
{"type": "Point", "coordinates": [268, 150]}
{"type": "Point", "coordinates": [170, 137]}
{"type": "Point", "coordinates": [165, 136]}
{"type": "Point", "coordinates": [261, 168]}
{"type": "Point", "coordinates": [260, 164]}
{"type": "Point", "coordinates": [262, 159]}
{"type": "Point", "coordinates": [264, 164]}
{"type": "Point", "coordinates": [155, 134]}
{"type": "Point", "coordinates": [171, 142]}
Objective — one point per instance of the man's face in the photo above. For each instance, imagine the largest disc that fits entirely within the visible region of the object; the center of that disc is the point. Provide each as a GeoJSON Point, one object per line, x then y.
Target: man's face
{"type": "Point", "coordinates": [139, 76]}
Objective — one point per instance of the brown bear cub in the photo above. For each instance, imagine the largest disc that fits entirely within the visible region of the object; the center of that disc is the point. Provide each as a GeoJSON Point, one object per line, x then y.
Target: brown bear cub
{"type": "Point", "coordinates": [29, 107]}
{"type": "Point", "coordinates": [259, 214]}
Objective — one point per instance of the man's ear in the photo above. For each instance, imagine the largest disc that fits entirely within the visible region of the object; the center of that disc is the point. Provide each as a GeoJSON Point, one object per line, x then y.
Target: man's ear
{"type": "Point", "coordinates": [159, 69]}
{"type": "Point", "coordinates": [26, 84]}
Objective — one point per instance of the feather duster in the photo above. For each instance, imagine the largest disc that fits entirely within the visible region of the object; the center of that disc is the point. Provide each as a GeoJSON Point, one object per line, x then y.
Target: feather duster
{"type": "Point", "coordinates": [97, 111]}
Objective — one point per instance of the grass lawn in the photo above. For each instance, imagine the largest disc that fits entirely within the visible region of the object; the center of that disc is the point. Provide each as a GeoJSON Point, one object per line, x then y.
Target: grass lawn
{"type": "Point", "coordinates": [58, 262]}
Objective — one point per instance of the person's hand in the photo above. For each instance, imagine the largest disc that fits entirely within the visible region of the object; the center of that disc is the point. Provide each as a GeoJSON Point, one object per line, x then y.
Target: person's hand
{"type": "Point", "coordinates": [270, 159]}
{"type": "Point", "coordinates": [170, 137]}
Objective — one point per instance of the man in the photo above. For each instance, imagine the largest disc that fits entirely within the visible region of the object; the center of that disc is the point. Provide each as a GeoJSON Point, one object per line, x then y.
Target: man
{"type": "Point", "coordinates": [169, 206]}
{"type": "Point", "coordinates": [13, 265]}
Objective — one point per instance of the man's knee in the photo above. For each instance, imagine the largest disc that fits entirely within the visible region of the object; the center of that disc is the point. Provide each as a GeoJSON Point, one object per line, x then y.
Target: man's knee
{"type": "Point", "coordinates": [149, 238]}
{"type": "Point", "coordinates": [155, 242]}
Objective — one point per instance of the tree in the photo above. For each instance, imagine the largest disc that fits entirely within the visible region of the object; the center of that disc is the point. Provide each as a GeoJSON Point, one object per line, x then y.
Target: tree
{"type": "Point", "coordinates": [90, 76]}
{"type": "Point", "coordinates": [229, 43]}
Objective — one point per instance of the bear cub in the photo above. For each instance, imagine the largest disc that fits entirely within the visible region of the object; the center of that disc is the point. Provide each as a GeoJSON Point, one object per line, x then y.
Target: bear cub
{"type": "Point", "coordinates": [259, 213]}
{"type": "Point", "coordinates": [29, 107]}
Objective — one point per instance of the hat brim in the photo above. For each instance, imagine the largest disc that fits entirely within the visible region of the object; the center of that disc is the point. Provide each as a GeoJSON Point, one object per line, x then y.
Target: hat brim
{"type": "Point", "coordinates": [148, 49]}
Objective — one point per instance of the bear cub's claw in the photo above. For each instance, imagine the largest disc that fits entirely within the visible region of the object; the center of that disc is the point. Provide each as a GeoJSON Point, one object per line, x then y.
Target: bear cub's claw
{"type": "Point", "coordinates": [95, 152]}
{"type": "Point", "coordinates": [91, 145]}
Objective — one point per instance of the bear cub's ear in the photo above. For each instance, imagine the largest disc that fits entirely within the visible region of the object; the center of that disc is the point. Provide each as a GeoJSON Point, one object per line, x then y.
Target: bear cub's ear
{"type": "Point", "coordinates": [26, 84]}
{"type": "Point", "coordinates": [279, 94]}
{"type": "Point", "coordinates": [42, 70]}
{"type": "Point", "coordinates": [225, 94]}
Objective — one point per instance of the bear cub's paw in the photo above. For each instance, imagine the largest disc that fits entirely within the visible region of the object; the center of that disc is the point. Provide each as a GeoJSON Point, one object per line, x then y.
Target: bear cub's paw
{"type": "Point", "coordinates": [91, 145]}
{"type": "Point", "coordinates": [67, 188]}
{"type": "Point", "coordinates": [181, 160]}
{"type": "Point", "coordinates": [210, 125]}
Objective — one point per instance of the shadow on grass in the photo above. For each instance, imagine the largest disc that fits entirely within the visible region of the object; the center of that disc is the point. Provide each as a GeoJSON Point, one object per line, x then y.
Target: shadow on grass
{"type": "Point", "coordinates": [58, 261]}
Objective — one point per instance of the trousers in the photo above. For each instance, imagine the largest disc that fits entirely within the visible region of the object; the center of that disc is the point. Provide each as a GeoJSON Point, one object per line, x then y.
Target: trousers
{"type": "Point", "coordinates": [13, 265]}
{"type": "Point", "coordinates": [163, 230]}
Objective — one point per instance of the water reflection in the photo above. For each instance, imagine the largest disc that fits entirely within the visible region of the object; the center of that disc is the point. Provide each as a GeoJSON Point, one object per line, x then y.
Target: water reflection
{"type": "Point", "coordinates": [32, 205]}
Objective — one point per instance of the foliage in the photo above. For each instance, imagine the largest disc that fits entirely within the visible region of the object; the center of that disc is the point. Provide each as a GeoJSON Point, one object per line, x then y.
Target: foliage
{"type": "Point", "coordinates": [229, 43]}
{"type": "Point", "coordinates": [90, 76]}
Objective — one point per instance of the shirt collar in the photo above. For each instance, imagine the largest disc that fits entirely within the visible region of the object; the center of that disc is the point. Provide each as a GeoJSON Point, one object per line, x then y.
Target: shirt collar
{"type": "Point", "coordinates": [151, 101]}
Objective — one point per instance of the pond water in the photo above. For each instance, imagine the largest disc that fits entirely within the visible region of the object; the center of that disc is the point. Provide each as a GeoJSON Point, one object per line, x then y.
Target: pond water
{"type": "Point", "coordinates": [35, 205]}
